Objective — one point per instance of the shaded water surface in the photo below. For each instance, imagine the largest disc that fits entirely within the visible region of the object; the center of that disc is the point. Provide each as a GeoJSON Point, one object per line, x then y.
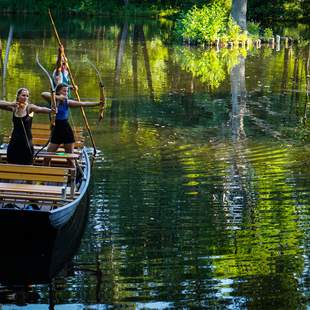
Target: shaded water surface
{"type": "Point", "coordinates": [201, 190]}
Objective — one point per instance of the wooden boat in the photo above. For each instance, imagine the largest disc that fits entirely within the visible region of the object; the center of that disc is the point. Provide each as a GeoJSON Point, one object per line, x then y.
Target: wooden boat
{"type": "Point", "coordinates": [41, 193]}
{"type": "Point", "coordinates": [36, 254]}
{"type": "Point", "coordinates": [43, 211]}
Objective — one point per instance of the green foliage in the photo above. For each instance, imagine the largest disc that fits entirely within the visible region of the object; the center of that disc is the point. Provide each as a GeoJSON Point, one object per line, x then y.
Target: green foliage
{"type": "Point", "coordinates": [299, 33]}
{"type": "Point", "coordinates": [206, 24]}
{"type": "Point", "coordinates": [266, 11]}
{"type": "Point", "coordinates": [211, 22]}
{"type": "Point", "coordinates": [233, 30]}
{"type": "Point", "coordinates": [257, 10]}
{"type": "Point", "coordinates": [86, 6]}
{"type": "Point", "coordinates": [253, 29]}
{"type": "Point", "coordinates": [268, 33]}
{"type": "Point", "coordinates": [223, 4]}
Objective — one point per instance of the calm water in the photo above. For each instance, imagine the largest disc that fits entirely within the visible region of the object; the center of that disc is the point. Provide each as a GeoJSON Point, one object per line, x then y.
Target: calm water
{"type": "Point", "coordinates": [201, 190]}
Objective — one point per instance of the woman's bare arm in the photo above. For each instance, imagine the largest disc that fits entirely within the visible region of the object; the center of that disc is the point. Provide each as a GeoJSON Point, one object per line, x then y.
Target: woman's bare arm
{"type": "Point", "coordinates": [75, 103]}
{"type": "Point", "coordinates": [8, 106]}
{"type": "Point", "coordinates": [47, 96]}
{"type": "Point", "coordinates": [38, 109]}
{"type": "Point", "coordinates": [71, 103]}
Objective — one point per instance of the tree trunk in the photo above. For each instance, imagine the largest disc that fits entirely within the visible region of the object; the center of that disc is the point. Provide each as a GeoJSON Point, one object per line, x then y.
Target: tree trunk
{"type": "Point", "coordinates": [6, 59]}
{"type": "Point", "coordinates": [146, 62]}
{"type": "Point", "coordinates": [117, 76]}
{"type": "Point", "coordinates": [287, 55]}
{"type": "Point", "coordinates": [120, 53]}
{"type": "Point", "coordinates": [238, 99]}
{"type": "Point", "coordinates": [238, 12]}
{"type": "Point", "coordinates": [135, 59]}
{"type": "Point", "coordinates": [308, 73]}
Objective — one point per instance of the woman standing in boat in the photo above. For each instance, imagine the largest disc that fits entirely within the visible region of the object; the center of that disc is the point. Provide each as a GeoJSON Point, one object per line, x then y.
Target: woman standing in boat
{"type": "Point", "coordinates": [20, 148]}
{"type": "Point", "coordinates": [61, 72]}
{"type": "Point", "coordinates": [62, 132]}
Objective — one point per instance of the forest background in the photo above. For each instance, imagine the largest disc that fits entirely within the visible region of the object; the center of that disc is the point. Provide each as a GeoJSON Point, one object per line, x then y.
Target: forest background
{"type": "Point", "coordinates": [257, 10]}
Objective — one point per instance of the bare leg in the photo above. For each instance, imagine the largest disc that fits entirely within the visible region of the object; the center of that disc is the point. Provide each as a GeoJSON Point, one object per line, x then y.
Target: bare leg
{"type": "Point", "coordinates": [69, 149]}
{"type": "Point", "coordinates": [52, 147]}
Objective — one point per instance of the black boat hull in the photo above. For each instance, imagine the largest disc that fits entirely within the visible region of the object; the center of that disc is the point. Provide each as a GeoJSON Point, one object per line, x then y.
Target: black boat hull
{"type": "Point", "coordinates": [36, 245]}
{"type": "Point", "coordinates": [36, 255]}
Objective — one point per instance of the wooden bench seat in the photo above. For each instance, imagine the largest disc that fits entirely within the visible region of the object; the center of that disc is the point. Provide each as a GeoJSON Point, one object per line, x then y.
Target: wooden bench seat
{"type": "Point", "coordinates": [31, 196]}
{"type": "Point", "coordinates": [41, 135]}
{"type": "Point", "coordinates": [36, 182]}
{"type": "Point", "coordinates": [34, 188]}
{"type": "Point", "coordinates": [44, 126]}
{"type": "Point", "coordinates": [36, 133]}
{"type": "Point", "coordinates": [40, 141]}
{"type": "Point", "coordinates": [20, 196]}
{"type": "Point", "coordinates": [43, 131]}
{"type": "Point", "coordinates": [57, 161]}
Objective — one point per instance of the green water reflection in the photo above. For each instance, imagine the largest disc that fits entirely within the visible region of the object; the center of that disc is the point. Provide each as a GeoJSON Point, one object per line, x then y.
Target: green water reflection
{"type": "Point", "coordinates": [200, 195]}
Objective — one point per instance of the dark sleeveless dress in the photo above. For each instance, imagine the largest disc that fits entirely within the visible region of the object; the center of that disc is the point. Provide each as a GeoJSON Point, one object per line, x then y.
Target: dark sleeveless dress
{"type": "Point", "coordinates": [62, 132]}
{"type": "Point", "coordinates": [20, 149]}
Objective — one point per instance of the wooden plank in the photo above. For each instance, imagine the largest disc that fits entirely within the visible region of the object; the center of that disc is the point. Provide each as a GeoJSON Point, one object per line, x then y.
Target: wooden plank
{"type": "Point", "coordinates": [62, 161]}
{"type": "Point", "coordinates": [33, 177]}
{"type": "Point", "coordinates": [32, 188]}
{"type": "Point", "coordinates": [40, 131]}
{"type": "Point", "coordinates": [41, 126]}
{"type": "Point", "coordinates": [34, 169]}
{"type": "Point", "coordinates": [34, 173]}
{"type": "Point", "coordinates": [47, 127]}
{"type": "Point", "coordinates": [46, 135]}
{"type": "Point", "coordinates": [59, 155]}
{"type": "Point", "coordinates": [39, 161]}
{"type": "Point", "coordinates": [41, 141]}
{"type": "Point", "coordinates": [25, 197]}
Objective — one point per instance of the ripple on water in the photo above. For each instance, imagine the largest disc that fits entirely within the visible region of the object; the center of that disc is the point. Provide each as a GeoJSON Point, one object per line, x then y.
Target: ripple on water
{"type": "Point", "coordinates": [217, 210]}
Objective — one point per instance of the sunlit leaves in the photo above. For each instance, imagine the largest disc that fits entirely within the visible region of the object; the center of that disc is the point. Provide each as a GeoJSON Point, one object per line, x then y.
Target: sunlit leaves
{"type": "Point", "coordinates": [202, 24]}
{"type": "Point", "coordinates": [209, 66]}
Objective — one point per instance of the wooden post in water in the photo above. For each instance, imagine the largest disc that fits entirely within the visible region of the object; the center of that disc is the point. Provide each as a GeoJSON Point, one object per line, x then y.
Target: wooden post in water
{"type": "Point", "coordinates": [217, 44]}
{"type": "Point", "coordinates": [278, 45]}
{"type": "Point", "coordinates": [259, 43]}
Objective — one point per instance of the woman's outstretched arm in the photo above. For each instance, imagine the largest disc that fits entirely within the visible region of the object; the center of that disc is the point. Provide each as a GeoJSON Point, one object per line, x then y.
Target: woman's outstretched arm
{"type": "Point", "coordinates": [8, 106]}
{"type": "Point", "coordinates": [38, 109]}
{"type": "Point", "coordinates": [75, 103]}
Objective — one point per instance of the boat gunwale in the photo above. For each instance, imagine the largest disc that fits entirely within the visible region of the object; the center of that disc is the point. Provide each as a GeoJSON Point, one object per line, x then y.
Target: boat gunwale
{"type": "Point", "coordinates": [84, 189]}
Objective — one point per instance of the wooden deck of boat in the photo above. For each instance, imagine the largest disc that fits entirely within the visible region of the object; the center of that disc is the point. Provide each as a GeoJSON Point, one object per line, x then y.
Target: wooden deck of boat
{"type": "Point", "coordinates": [51, 186]}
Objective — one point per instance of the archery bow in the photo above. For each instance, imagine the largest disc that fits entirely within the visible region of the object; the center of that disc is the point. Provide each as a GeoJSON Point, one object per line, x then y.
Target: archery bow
{"type": "Point", "coordinates": [101, 86]}
{"type": "Point", "coordinates": [53, 95]}
{"type": "Point", "coordinates": [53, 103]}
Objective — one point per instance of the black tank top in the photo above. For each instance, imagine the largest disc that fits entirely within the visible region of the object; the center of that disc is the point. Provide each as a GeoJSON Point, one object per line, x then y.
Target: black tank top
{"type": "Point", "coordinates": [20, 148]}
